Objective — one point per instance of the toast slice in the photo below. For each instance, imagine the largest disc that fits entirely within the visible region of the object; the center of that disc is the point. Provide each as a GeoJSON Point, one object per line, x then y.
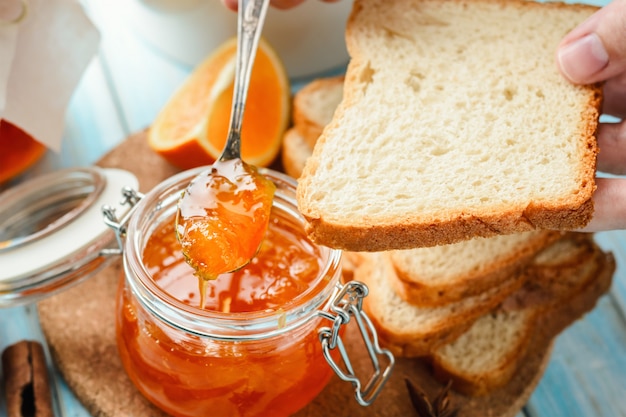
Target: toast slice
{"type": "Point", "coordinates": [488, 355]}
{"type": "Point", "coordinates": [447, 273]}
{"type": "Point", "coordinates": [454, 123]}
{"type": "Point", "coordinates": [412, 331]}
{"type": "Point", "coordinates": [295, 151]}
{"type": "Point", "coordinates": [314, 105]}
{"type": "Point", "coordinates": [555, 272]}
{"type": "Point", "coordinates": [313, 108]}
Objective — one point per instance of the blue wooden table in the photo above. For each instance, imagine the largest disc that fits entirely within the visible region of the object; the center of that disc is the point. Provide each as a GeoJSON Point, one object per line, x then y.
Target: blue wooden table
{"type": "Point", "coordinates": [122, 91]}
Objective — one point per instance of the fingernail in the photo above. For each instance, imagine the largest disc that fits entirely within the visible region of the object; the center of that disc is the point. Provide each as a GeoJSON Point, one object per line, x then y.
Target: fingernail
{"type": "Point", "coordinates": [583, 58]}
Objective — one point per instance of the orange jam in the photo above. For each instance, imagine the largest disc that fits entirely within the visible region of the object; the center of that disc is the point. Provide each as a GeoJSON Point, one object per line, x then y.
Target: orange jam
{"type": "Point", "coordinates": [284, 267]}
{"type": "Point", "coordinates": [222, 218]}
{"type": "Point", "coordinates": [253, 350]}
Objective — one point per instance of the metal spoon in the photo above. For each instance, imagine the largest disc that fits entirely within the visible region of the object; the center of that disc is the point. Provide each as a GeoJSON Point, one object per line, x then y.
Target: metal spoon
{"type": "Point", "coordinates": [224, 212]}
{"type": "Point", "coordinates": [250, 19]}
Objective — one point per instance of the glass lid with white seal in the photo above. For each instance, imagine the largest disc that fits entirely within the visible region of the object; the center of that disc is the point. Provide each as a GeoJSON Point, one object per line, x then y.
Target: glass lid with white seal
{"type": "Point", "coordinates": [51, 231]}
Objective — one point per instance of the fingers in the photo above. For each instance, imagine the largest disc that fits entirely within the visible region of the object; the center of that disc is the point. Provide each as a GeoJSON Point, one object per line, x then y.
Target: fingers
{"type": "Point", "coordinates": [596, 49]}
{"type": "Point", "coordinates": [612, 144]}
{"type": "Point", "coordinates": [231, 4]}
{"type": "Point", "coordinates": [609, 205]}
{"type": "Point", "coordinates": [285, 4]}
{"type": "Point", "coordinates": [610, 196]}
{"type": "Point", "coordinates": [288, 4]}
{"type": "Point", "coordinates": [593, 52]}
{"type": "Point", "coordinates": [279, 4]}
{"type": "Point", "coordinates": [614, 102]}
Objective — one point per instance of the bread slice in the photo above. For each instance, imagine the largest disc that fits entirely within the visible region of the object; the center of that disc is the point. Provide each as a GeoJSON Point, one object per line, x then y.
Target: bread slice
{"type": "Point", "coordinates": [295, 152]}
{"type": "Point", "coordinates": [454, 123]}
{"type": "Point", "coordinates": [487, 355]}
{"type": "Point", "coordinates": [448, 273]}
{"type": "Point", "coordinates": [412, 331]}
{"type": "Point", "coordinates": [314, 105]}
{"type": "Point", "coordinates": [313, 108]}
{"type": "Point", "coordinates": [555, 272]}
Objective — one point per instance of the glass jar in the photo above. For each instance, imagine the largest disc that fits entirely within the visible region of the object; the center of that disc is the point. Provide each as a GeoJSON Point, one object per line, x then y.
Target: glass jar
{"type": "Point", "coordinates": [59, 210]}
{"type": "Point", "coordinates": [214, 361]}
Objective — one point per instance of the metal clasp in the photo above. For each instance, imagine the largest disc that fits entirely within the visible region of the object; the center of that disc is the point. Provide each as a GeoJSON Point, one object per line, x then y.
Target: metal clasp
{"type": "Point", "coordinates": [130, 197]}
{"type": "Point", "coordinates": [346, 304]}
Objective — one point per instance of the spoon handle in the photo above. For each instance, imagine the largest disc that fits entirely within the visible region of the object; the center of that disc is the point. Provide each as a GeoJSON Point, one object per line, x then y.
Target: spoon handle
{"type": "Point", "coordinates": [251, 16]}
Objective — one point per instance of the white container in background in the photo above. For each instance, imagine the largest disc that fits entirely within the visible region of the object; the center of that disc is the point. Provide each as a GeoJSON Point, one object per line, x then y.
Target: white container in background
{"type": "Point", "coordinates": [309, 38]}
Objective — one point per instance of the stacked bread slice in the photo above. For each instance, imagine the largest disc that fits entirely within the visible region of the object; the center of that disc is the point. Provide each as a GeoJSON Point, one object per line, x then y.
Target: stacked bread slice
{"type": "Point", "coordinates": [313, 109]}
{"type": "Point", "coordinates": [480, 341]}
{"type": "Point", "coordinates": [489, 353]}
{"type": "Point", "coordinates": [473, 309]}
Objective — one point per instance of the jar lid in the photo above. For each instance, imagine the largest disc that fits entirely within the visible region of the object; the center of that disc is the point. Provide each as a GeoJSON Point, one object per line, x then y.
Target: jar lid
{"type": "Point", "coordinates": [52, 231]}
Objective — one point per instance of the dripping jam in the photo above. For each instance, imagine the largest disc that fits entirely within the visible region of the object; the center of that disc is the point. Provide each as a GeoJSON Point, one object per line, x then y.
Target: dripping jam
{"type": "Point", "coordinates": [284, 267]}
{"type": "Point", "coordinates": [222, 218]}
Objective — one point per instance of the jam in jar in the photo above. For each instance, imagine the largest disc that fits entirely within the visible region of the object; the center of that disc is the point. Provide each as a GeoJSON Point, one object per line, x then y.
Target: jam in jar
{"type": "Point", "coordinates": [254, 349]}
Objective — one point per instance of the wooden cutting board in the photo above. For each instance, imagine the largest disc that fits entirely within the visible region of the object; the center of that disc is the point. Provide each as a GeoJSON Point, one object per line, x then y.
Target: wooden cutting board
{"type": "Point", "coordinates": [79, 325]}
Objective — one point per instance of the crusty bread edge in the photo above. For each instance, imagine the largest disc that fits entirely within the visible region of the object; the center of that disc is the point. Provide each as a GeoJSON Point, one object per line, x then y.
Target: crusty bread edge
{"type": "Point", "coordinates": [383, 236]}
{"type": "Point", "coordinates": [469, 384]}
{"type": "Point", "coordinates": [422, 294]}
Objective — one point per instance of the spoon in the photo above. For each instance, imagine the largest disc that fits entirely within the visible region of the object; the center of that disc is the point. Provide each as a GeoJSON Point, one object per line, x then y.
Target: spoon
{"type": "Point", "coordinates": [224, 212]}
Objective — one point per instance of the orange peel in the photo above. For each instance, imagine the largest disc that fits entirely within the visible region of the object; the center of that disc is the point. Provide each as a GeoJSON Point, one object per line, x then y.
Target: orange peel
{"type": "Point", "coordinates": [19, 151]}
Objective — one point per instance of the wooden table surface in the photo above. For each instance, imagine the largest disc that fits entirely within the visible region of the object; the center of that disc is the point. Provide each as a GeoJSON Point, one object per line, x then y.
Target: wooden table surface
{"type": "Point", "coordinates": [122, 91]}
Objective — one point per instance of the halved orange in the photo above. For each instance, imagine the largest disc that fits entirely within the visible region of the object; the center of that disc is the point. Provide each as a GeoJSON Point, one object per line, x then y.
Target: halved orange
{"type": "Point", "coordinates": [191, 129]}
{"type": "Point", "coordinates": [18, 151]}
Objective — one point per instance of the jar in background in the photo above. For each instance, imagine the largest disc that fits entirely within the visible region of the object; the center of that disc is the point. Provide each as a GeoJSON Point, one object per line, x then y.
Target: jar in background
{"type": "Point", "coordinates": [245, 354]}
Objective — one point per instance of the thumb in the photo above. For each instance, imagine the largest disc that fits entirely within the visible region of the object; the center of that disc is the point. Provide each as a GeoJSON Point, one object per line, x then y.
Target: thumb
{"type": "Point", "coordinates": [596, 49]}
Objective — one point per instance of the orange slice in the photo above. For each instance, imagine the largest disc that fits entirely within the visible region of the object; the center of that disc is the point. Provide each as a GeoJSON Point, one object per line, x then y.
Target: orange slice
{"type": "Point", "coordinates": [18, 151]}
{"type": "Point", "coordinates": [191, 129]}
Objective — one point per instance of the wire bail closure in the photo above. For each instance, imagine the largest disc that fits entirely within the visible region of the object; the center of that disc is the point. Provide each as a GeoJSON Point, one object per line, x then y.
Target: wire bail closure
{"type": "Point", "coordinates": [346, 304]}
{"type": "Point", "coordinates": [131, 197]}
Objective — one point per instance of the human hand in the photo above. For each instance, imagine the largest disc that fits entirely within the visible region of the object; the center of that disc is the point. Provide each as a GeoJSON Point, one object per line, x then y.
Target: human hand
{"type": "Point", "coordinates": [279, 4]}
{"type": "Point", "coordinates": [595, 51]}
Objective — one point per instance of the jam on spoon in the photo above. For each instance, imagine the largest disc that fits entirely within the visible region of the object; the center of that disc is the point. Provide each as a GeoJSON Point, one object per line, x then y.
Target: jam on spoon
{"type": "Point", "coordinates": [223, 216]}
{"type": "Point", "coordinates": [224, 212]}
